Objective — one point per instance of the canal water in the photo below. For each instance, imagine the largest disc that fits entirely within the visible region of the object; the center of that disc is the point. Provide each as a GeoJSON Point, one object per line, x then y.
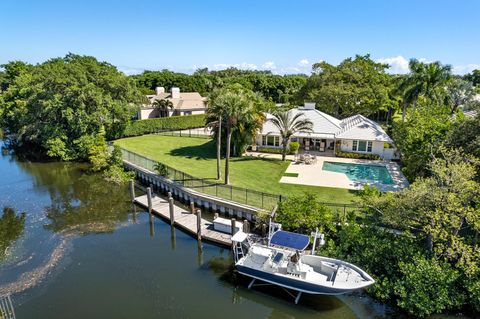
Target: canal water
{"type": "Point", "coordinates": [73, 246]}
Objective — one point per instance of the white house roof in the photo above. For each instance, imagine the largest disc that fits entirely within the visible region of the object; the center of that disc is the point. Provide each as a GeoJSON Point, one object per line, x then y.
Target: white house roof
{"type": "Point", "coordinates": [356, 127]}
{"type": "Point", "coordinates": [360, 128]}
{"type": "Point", "coordinates": [324, 125]}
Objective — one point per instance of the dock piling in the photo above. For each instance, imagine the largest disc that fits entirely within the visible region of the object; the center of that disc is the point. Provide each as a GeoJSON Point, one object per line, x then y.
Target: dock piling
{"type": "Point", "coordinates": [149, 199]}
{"type": "Point", "coordinates": [199, 224]}
{"type": "Point", "coordinates": [246, 226]}
{"type": "Point", "coordinates": [233, 226]}
{"type": "Point", "coordinates": [264, 230]}
{"type": "Point", "coordinates": [132, 189]}
{"type": "Point", "coordinates": [170, 208]}
{"type": "Point", "coordinates": [192, 207]}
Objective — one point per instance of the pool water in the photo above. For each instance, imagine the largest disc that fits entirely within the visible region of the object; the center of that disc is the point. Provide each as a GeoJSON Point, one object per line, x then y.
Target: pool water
{"type": "Point", "coordinates": [361, 172]}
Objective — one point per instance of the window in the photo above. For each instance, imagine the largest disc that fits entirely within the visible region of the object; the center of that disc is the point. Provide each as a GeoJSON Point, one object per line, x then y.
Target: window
{"type": "Point", "coordinates": [369, 146]}
{"type": "Point", "coordinates": [354, 146]}
{"type": "Point", "coordinates": [362, 146]}
{"type": "Point", "coordinates": [270, 140]}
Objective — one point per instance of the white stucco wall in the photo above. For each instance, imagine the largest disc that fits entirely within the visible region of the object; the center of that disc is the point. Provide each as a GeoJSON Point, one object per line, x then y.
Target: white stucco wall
{"type": "Point", "coordinates": [377, 147]}
{"type": "Point", "coordinates": [145, 114]}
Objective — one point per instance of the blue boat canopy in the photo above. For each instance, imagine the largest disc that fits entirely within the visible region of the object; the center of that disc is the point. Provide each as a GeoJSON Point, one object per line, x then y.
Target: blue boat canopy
{"type": "Point", "coordinates": [289, 240]}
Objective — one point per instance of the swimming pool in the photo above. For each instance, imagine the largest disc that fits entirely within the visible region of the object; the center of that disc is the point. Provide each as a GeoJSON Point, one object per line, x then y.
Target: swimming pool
{"type": "Point", "coordinates": [361, 172]}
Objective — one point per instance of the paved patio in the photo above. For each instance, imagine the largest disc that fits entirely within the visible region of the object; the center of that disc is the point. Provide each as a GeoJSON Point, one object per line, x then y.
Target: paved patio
{"type": "Point", "coordinates": [314, 175]}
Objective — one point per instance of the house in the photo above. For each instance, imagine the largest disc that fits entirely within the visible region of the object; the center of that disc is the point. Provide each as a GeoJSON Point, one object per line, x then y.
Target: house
{"type": "Point", "coordinates": [356, 134]}
{"type": "Point", "coordinates": [176, 104]}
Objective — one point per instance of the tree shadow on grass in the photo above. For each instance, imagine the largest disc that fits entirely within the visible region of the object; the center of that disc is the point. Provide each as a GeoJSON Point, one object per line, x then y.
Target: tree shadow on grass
{"type": "Point", "coordinates": [199, 152]}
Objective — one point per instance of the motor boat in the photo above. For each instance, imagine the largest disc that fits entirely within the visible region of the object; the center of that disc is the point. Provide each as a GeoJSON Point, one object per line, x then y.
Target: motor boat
{"type": "Point", "coordinates": [283, 261]}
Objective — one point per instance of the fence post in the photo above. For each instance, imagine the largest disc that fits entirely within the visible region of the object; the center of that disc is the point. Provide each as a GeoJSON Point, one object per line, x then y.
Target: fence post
{"type": "Point", "coordinates": [231, 192]}
{"type": "Point", "coordinates": [344, 212]}
{"type": "Point", "coordinates": [246, 196]}
{"type": "Point", "coordinates": [262, 201]}
{"type": "Point", "coordinates": [280, 196]}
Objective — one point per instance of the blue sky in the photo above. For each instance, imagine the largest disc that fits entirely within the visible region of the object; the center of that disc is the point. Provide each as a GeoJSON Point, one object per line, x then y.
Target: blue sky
{"type": "Point", "coordinates": [284, 36]}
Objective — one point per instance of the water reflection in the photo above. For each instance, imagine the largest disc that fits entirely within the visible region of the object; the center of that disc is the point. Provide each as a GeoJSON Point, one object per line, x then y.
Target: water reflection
{"type": "Point", "coordinates": [79, 202]}
{"type": "Point", "coordinates": [11, 227]}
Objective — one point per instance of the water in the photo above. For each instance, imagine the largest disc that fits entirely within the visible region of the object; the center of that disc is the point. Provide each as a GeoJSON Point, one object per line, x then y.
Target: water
{"type": "Point", "coordinates": [83, 251]}
{"type": "Point", "coordinates": [361, 172]}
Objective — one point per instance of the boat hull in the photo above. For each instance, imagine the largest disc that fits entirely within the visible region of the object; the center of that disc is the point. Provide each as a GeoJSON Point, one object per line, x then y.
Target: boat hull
{"type": "Point", "coordinates": [291, 283]}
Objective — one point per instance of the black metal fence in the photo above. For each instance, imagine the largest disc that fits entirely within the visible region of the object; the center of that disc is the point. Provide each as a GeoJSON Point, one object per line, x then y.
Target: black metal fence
{"type": "Point", "coordinates": [237, 194]}
{"type": "Point", "coordinates": [191, 132]}
{"type": "Point", "coordinates": [204, 185]}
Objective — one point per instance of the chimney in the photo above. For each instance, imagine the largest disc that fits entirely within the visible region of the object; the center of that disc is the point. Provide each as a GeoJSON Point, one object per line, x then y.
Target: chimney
{"type": "Point", "coordinates": [159, 89]}
{"type": "Point", "coordinates": [309, 106]}
{"type": "Point", "coordinates": [175, 93]}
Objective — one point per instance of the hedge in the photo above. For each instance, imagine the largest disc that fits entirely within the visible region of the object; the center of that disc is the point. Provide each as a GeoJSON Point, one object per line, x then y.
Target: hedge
{"type": "Point", "coordinates": [272, 150]}
{"type": "Point", "coordinates": [148, 126]}
{"type": "Point", "coordinates": [357, 155]}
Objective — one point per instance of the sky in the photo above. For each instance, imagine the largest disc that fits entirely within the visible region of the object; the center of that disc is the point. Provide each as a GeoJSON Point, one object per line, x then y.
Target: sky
{"type": "Point", "coordinates": [281, 36]}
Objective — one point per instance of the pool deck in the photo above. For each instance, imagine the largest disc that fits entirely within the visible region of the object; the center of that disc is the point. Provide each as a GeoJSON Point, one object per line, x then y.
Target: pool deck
{"type": "Point", "coordinates": [314, 175]}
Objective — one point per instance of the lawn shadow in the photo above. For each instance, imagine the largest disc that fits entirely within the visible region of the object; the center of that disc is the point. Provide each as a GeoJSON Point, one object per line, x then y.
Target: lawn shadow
{"type": "Point", "coordinates": [200, 152]}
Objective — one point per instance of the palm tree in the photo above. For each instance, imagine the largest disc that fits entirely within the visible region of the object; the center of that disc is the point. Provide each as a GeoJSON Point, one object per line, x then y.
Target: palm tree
{"type": "Point", "coordinates": [426, 80]}
{"type": "Point", "coordinates": [214, 120]}
{"type": "Point", "coordinates": [289, 124]}
{"type": "Point", "coordinates": [235, 107]}
{"type": "Point", "coordinates": [163, 105]}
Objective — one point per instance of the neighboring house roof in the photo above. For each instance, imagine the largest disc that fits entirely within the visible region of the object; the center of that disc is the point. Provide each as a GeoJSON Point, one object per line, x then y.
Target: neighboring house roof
{"type": "Point", "coordinates": [187, 100]}
{"type": "Point", "coordinates": [356, 127]}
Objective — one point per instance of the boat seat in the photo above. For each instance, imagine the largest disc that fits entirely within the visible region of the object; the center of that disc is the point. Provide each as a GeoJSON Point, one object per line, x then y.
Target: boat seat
{"type": "Point", "coordinates": [328, 270]}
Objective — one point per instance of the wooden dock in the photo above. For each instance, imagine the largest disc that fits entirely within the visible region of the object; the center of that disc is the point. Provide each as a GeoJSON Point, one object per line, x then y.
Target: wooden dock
{"type": "Point", "coordinates": [184, 220]}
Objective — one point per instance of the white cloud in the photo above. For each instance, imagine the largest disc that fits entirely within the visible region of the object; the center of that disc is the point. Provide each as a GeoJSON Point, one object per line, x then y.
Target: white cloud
{"type": "Point", "coordinates": [269, 65]}
{"type": "Point", "coordinates": [398, 64]}
{"type": "Point", "coordinates": [129, 70]}
{"type": "Point", "coordinates": [303, 62]}
{"type": "Point", "coordinates": [242, 66]}
{"type": "Point", "coordinates": [464, 69]}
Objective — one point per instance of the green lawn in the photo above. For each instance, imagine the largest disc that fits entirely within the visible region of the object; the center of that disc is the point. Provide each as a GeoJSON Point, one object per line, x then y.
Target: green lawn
{"type": "Point", "coordinates": [196, 156]}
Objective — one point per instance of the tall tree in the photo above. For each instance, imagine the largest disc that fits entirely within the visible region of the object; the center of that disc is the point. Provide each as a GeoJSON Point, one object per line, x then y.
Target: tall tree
{"type": "Point", "coordinates": [358, 85]}
{"type": "Point", "coordinates": [288, 124]}
{"type": "Point", "coordinates": [58, 107]}
{"type": "Point", "coordinates": [425, 80]}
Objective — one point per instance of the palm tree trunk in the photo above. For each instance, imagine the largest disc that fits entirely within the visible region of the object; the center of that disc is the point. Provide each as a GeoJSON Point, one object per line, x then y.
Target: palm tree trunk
{"type": "Point", "coordinates": [219, 147]}
{"type": "Point", "coordinates": [227, 156]}
{"type": "Point", "coordinates": [284, 149]}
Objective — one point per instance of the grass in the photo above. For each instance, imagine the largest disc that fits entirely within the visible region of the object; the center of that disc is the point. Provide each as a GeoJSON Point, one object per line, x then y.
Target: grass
{"type": "Point", "coordinates": [290, 174]}
{"type": "Point", "coordinates": [196, 156]}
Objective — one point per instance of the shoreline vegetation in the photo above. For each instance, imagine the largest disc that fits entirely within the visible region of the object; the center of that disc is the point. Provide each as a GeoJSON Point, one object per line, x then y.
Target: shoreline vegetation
{"type": "Point", "coordinates": [67, 109]}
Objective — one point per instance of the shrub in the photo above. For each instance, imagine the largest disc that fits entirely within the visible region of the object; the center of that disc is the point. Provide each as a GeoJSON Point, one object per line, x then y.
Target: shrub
{"type": "Point", "coordinates": [272, 150]}
{"type": "Point", "coordinates": [161, 169]}
{"type": "Point", "coordinates": [148, 126]}
{"type": "Point", "coordinates": [357, 155]}
{"type": "Point", "coordinates": [427, 286]}
{"type": "Point", "coordinates": [293, 147]}
{"type": "Point", "coordinates": [303, 214]}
